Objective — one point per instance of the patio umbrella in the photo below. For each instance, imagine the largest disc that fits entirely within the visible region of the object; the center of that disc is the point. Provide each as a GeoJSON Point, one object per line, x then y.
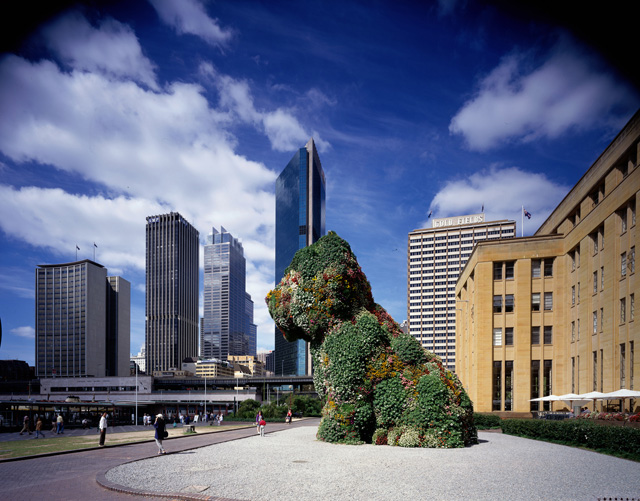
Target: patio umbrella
{"type": "Point", "coordinates": [622, 394]}
{"type": "Point", "coordinates": [572, 400]}
{"type": "Point", "coordinates": [548, 398]}
{"type": "Point", "coordinates": [593, 395]}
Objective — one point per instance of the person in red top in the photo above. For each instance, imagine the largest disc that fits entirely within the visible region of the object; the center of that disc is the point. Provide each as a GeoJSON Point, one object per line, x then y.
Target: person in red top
{"type": "Point", "coordinates": [263, 423]}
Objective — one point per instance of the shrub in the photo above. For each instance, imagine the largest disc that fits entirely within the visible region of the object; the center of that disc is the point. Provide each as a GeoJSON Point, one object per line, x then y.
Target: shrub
{"type": "Point", "coordinates": [486, 421]}
{"type": "Point", "coordinates": [410, 437]}
{"type": "Point", "coordinates": [617, 440]}
{"type": "Point", "coordinates": [379, 437]}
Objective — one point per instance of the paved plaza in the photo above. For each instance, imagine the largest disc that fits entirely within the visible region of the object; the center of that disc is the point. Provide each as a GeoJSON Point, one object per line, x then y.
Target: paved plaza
{"type": "Point", "coordinates": [288, 463]}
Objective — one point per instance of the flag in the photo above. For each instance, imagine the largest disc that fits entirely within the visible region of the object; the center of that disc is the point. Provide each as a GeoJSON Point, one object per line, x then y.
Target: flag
{"type": "Point", "coordinates": [77, 248]}
{"type": "Point", "coordinates": [527, 214]}
{"type": "Point", "coordinates": [430, 212]}
{"type": "Point", "coordinates": [482, 210]}
{"type": "Point", "coordinates": [94, 244]}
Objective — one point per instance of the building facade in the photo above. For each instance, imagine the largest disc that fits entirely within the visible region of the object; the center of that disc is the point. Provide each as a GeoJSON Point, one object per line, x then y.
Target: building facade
{"type": "Point", "coordinates": [300, 221]}
{"type": "Point", "coordinates": [172, 286]}
{"type": "Point", "coordinates": [82, 321]}
{"type": "Point", "coordinates": [227, 327]}
{"type": "Point", "coordinates": [434, 259]}
{"type": "Point", "coordinates": [554, 313]}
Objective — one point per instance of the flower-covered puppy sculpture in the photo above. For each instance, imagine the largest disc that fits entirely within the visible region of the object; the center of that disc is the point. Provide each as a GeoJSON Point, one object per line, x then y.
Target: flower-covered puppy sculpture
{"type": "Point", "coordinates": [380, 385]}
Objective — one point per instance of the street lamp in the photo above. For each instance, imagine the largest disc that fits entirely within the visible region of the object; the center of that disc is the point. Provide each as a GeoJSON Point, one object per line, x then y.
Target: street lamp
{"type": "Point", "coordinates": [136, 364]}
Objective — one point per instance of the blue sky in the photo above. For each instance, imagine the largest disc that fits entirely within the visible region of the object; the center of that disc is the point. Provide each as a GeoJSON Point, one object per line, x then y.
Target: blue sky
{"type": "Point", "coordinates": [114, 111]}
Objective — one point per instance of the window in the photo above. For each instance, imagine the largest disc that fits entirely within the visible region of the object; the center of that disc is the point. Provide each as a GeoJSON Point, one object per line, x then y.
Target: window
{"type": "Point", "coordinates": [632, 259]}
{"type": "Point", "coordinates": [623, 310]}
{"type": "Point", "coordinates": [497, 386]}
{"type": "Point", "coordinates": [623, 264]}
{"type": "Point", "coordinates": [509, 303]}
{"type": "Point", "coordinates": [508, 336]}
{"type": "Point", "coordinates": [573, 332]}
{"type": "Point", "coordinates": [595, 282]}
{"type": "Point", "coordinates": [632, 208]}
{"type": "Point", "coordinates": [497, 304]}
{"type": "Point", "coordinates": [535, 335]}
{"type": "Point", "coordinates": [497, 336]}
{"type": "Point", "coordinates": [573, 295]}
{"type": "Point", "coordinates": [508, 384]}
{"type": "Point", "coordinates": [548, 301]}
{"type": "Point", "coordinates": [631, 360]}
{"type": "Point", "coordinates": [573, 261]}
{"type": "Point", "coordinates": [535, 383]}
{"type": "Point", "coordinates": [578, 329]}
{"type": "Point", "coordinates": [573, 375]}
{"type": "Point", "coordinates": [594, 238]}
{"type": "Point", "coordinates": [601, 319]}
{"type": "Point", "coordinates": [595, 322]}
{"type": "Point", "coordinates": [547, 385]}
{"type": "Point", "coordinates": [509, 267]}
{"type": "Point", "coordinates": [497, 271]}
{"type": "Point", "coordinates": [535, 268]}
{"type": "Point", "coordinates": [601, 278]}
{"type": "Point", "coordinates": [632, 300]}
{"type": "Point", "coordinates": [548, 334]}
{"type": "Point", "coordinates": [535, 301]}
{"type": "Point", "coordinates": [595, 371]}
{"type": "Point", "coordinates": [548, 267]}
{"type": "Point", "coordinates": [623, 220]}
{"type": "Point", "coordinates": [623, 361]}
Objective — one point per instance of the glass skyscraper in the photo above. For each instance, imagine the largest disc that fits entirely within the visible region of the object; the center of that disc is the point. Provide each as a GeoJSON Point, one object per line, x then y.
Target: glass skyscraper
{"type": "Point", "coordinates": [227, 327]}
{"type": "Point", "coordinates": [172, 285]}
{"type": "Point", "coordinates": [300, 221]}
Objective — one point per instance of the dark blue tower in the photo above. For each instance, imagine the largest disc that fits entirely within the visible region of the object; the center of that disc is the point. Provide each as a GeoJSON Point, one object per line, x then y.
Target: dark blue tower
{"type": "Point", "coordinates": [300, 221]}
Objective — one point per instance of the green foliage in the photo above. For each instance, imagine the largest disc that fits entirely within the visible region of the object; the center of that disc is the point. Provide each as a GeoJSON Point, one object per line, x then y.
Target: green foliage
{"type": "Point", "coordinates": [617, 440]}
{"type": "Point", "coordinates": [408, 349]}
{"type": "Point", "coordinates": [248, 408]}
{"type": "Point", "coordinates": [388, 399]}
{"type": "Point", "coordinates": [367, 371]}
{"type": "Point", "coordinates": [379, 437]}
{"type": "Point", "coordinates": [487, 421]}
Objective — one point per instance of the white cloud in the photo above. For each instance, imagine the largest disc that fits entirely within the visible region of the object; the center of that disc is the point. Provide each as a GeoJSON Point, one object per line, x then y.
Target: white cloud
{"type": "Point", "coordinates": [112, 48]}
{"type": "Point", "coordinates": [26, 332]}
{"type": "Point", "coordinates": [284, 130]}
{"type": "Point", "coordinates": [190, 16]}
{"type": "Point", "coordinates": [503, 192]}
{"type": "Point", "coordinates": [131, 152]}
{"type": "Point", "coordinates": [523, 99]}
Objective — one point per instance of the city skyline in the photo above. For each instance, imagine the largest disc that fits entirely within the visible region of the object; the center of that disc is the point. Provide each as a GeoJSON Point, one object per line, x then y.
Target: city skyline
{"type": "Point", "coordinates": [114, 111]}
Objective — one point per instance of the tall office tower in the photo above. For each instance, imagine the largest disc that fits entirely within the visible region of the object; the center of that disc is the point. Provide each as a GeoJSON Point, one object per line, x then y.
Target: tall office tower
{"type": "Point", "coordinates": [118, 326]}
{"type": "Point", "coordinates": [82, 321]}
{"type": "Point", "coordinates": [227, 319]}
{"type": "Point", "coordinates": [435, 258]}
{"type": "Point", "coordinates": [250, 328]}
{"type": "Point", "coordinates": [300, 221]}
{"type": "Point", "coordinates": [172, 287]}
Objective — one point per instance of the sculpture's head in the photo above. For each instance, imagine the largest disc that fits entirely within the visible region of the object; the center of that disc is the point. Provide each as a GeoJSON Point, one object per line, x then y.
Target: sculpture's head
{"type": "Point", "coordinates": [322, 285]}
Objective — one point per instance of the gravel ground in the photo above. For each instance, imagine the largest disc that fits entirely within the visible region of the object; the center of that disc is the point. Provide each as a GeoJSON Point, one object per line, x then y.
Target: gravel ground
{"type": "Point", "coordinates": [292, 464]}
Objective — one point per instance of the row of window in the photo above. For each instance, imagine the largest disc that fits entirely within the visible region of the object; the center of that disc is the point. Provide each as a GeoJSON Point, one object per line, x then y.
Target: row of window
{"type": "Point", "coordinates": [507, 339]}
{"type": "Point", "coordinates": [509, 302]}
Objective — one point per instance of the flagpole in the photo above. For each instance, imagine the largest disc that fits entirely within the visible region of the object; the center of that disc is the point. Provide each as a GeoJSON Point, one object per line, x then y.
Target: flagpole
{"type": "Point", "coordinates": [522, 226]}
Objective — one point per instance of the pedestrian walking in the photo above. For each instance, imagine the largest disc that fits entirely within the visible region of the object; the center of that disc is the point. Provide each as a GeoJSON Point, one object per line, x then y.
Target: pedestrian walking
{"type": "Point", "coordinates": [25, 425]}
{"type": "Point", "coordinates": [258, 419]}
{"type": "Point", "coordinates": [263, 423]}
{"type": "Point", "coordinates": [161, 433]}
{"type": "Point", "coordinates": [289, 416]}
{"type": "Point", "coordinates": [59, 424]}
{"type": "Point", "coordinates": [103, 429]}
{"type": "Point", "coordinates": [39, 428]}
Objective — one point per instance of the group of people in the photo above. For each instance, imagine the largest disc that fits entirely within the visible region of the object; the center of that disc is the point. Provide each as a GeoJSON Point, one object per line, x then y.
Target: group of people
{"type": "Point", "coordinates": [261, 423]}
{"type": "Point", "coordinates": [57, 425]}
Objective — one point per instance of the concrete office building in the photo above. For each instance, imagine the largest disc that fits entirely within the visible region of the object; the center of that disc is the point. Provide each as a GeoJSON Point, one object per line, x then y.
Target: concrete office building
{"type": "Point", "coordinates": [554, 313]}
{"type": "Point", "coordinates": [300, 221]}
{"type": "Point", "coordinates": [172, 286]}
{"type": "Point", "coordinates": [82, 321]}
{"type": "Point", "coordinates": [227, 326]}
{"type": "Point", "coordinates": [434, 259]}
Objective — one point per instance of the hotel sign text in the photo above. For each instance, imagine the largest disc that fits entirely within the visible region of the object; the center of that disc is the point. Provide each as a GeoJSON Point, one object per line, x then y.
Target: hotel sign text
{"type": "Point", "coordinates": [453, 221]}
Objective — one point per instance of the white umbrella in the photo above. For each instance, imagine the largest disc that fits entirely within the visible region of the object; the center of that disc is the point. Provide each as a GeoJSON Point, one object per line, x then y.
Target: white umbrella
{"type": "Point", "coordinates": [548, 398]}
{"type": "Point", "coordinates": [593, 395]}
{"type": "Point", "coordinates": [573, 399]}
{"type": "Point", "coordinates": [623, 393]}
